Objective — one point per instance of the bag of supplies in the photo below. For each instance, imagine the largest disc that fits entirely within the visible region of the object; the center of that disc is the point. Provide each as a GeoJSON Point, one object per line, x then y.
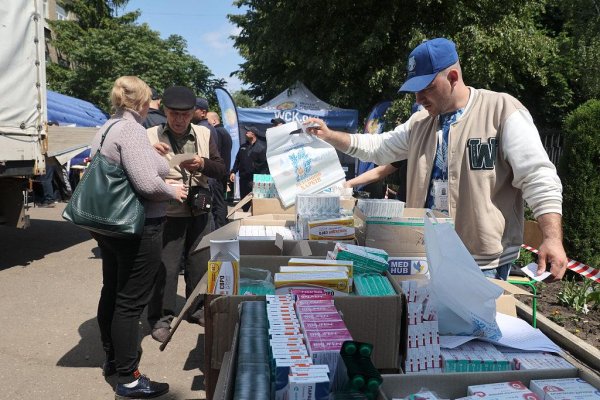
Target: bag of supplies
{"type": "Point", "coordinates": [465, 299]}
{"type": "Point", "coordinates": [300, 163]}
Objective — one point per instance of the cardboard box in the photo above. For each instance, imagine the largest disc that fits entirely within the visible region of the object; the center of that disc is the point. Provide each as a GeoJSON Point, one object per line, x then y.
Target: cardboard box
{"type": "Point", "coordinates": [399, 237]}
{"type": "Point", "coordinates": [454, 385]}
{"type": "Point", "coordinates": [376, 320]}
{"type": "Point", "coordinates": [506, 303]}
{"type": "Point", "coordinates": [274, 206]}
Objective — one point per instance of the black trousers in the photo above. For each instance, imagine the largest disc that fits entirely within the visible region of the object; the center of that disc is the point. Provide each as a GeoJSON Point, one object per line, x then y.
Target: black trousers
{"type": "Point", "coordinates": [181, 237]}
{"type": "Point", "coordinates": [245, 188]}
{"type": "Point", "coordinates": [129, 268]}
{"type": "Point", "coordinates": [219, 207]}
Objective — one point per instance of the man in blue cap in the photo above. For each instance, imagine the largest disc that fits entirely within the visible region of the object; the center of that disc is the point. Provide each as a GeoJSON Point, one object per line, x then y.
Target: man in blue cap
{"type": "Point", "coordinates": [473, 154]}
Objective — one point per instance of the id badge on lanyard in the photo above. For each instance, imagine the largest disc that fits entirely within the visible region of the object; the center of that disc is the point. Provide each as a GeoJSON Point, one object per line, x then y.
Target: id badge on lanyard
{"type": "Point", "coordinates": [440, 195]}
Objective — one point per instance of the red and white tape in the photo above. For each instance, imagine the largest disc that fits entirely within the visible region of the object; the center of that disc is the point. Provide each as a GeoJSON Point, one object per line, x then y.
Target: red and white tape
{"type": "Point", "coordinates": [576, 266]}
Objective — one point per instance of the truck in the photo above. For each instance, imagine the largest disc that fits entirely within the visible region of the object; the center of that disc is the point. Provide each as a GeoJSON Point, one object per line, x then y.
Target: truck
{"type": "Point", "coordinates": [23, 108]}
{"type": "Point", "coordinates": [27, 143]}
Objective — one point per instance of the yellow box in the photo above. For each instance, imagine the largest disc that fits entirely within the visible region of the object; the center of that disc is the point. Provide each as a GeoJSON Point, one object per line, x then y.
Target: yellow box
{"type": "Point", "coordinates": [332, 229]}
{"type": "Point", "coordinates": [331, 280]}
{"type": "Point", "coordinates": [223, 277]}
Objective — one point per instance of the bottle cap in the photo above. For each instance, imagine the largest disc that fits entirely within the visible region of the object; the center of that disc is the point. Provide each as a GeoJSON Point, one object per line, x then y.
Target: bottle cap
{"type": "Point", "coordinates": [365, 350]}
{"type": "Point", "coordinates": [358, 382]}
{"type": "Point", "coordinates": [350, 348]}
{"type": "Point", "coordinates": [372, 385]}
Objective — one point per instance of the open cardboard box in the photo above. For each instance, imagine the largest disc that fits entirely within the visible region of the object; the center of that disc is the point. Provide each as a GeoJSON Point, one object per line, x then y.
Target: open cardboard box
{"type": "Point", "coordinates": [454, 385]}
{"type": "Point", "coordinates": [399, 237]}
{"type": "Point", "coordinates": [446, 386]}
{"type": "Point", "coordinates": [274, 206]}
{"type": "Point", "coordinates": [378, 320]}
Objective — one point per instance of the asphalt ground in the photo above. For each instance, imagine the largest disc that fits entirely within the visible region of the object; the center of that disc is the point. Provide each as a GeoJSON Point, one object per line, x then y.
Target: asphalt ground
{"type": "Point", "coordinates": [50, 280]}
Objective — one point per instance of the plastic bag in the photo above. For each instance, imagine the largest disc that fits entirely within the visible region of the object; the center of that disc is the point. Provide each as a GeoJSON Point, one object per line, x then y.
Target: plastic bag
{"type": "Point", "coordinates": [300, 163]}
{"type": "Point", "coordinates": [256, 281]}
{"type": "Point", "coordinates": [465, 299]}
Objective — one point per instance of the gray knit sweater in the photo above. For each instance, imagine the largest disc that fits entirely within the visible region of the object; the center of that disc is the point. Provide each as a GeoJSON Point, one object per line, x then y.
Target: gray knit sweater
{"type": "Point", "coordinates": [127, 144]}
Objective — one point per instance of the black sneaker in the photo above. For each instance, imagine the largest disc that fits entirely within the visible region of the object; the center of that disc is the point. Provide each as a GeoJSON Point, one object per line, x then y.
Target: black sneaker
{"type": "Point", "coordinates": [145, 389]}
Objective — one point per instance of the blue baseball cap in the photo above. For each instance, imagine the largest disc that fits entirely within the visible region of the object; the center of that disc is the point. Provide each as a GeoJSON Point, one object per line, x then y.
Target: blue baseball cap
{"type": "Point", "coordinates": [426, 61]}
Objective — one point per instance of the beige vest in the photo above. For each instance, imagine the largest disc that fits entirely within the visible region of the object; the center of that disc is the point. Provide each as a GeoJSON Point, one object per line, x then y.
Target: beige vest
{"type": "Point", "coordinates": [487, 209]}
{"type": "Point", "coordinates": [156, 134]}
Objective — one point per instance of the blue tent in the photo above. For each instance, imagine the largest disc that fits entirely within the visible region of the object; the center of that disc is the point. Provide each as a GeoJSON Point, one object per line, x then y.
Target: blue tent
{"type": "Point", "coordinates": [297, 103]}
{"type": "Point", "coordinates": [68, 110]}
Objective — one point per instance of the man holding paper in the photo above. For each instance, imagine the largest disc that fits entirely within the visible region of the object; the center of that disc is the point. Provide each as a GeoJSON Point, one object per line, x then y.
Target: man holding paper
{"type": "Point", "coordinates": [473, 154]}
{"type": "Point", "coordinates": [194, 157]}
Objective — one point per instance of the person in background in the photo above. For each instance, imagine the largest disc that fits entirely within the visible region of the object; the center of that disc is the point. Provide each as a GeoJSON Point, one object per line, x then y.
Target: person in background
{"type": "Point", "coordinates": [130, 265]}
{"type": "Point", "coordinates": [277, 121]}
{"type": "Point", "coordinates": [186, 225]}
{"type": "Point", "coordinates": [380, 172]}
{"type": "Point", "coordinates": [473, 154]}
{"type": "Point", "coordinates": [155, 115]}
{"type": "Point", "coordinates": [219, 213]}
{"type": "Point", "coordinates": [219, 187]}
{"type": "Point", "coordinates": [374, 175]}
{"type": "Point", "coordinates": [251, 159]}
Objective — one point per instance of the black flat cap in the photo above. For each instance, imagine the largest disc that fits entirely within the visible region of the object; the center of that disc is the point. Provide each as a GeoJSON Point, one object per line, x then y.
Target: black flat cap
{"type": "Point", "coordinates": [201, 103]}
{"type": "Point", "coordinates": [179, 98]}
{"type": "Point", "coordinates": [277, 121]}
{"type": "Point", "coordinates": [252, 129]}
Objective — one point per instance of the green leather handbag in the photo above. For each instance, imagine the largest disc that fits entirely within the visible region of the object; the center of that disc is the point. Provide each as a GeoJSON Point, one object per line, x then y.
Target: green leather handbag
{"type": "Point", "coordinates": [104, 200]}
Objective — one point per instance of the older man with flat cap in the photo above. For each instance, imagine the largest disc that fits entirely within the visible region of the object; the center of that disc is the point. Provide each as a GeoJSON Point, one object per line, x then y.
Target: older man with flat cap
{"type": "Point", "coordinates": [251, 159]}
{"type": "Point", "coordinates": [473, 154]}
{"type": "Point", "coordinates": [186, 222]}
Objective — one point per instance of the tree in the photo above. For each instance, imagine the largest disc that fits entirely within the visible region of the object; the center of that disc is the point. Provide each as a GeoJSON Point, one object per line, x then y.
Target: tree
{"type": "Point", "coordinates": [353, 54]}
{"type": "Point", "coordinates": [92, 13]}
{"type": "Point", "coordinates": [116, 47]}
{"type": "Point", "coordinates": [241, 99]}
{"type": "Point", "coordinates": [580, 172]}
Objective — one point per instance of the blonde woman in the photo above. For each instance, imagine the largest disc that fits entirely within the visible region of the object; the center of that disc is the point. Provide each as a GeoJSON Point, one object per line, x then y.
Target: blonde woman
{"type": "Point", "coordinates": [129, 266]}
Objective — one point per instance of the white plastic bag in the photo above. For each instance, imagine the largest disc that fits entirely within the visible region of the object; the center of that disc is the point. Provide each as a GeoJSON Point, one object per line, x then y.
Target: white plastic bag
{"type": "Point", "coordinates": [300, 163]}
{"type": "Point", "coordinates": [464, 298]}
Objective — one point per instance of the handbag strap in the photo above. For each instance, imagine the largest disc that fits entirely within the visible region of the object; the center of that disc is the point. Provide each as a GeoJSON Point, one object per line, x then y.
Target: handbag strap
{"type": "Point", "coordinates": [104, 134]}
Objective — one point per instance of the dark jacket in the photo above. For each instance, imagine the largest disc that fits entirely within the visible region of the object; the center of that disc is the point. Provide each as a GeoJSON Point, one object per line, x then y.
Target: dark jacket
{"type": "Point", "coordinates": [251, 159]}
{"type": "Point", "coordinates": [155, 117]}
{"type": "Point", "coordinates": [225, 145]}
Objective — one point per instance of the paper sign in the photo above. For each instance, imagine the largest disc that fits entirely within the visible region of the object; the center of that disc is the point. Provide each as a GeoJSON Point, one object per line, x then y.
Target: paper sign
{"type": "Point", "coordinates": [531, 271]}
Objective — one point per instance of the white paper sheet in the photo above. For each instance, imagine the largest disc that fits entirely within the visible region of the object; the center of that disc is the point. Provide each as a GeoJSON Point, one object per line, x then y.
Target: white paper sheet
{"type": "Point", "coordinates": [516, 334]}
{"type": "Point", "coordinates": [531, 271]}
{"type": "Point", "coordinates": [179, 158]}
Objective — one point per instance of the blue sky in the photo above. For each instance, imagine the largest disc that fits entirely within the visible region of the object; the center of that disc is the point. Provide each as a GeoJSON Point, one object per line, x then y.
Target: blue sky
{"type": "Point", "coordinates": [203, 24]}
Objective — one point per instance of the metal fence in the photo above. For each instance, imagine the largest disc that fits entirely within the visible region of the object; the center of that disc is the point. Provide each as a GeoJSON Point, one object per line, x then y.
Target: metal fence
{"type": "Point", "coordinates": [553, 144]}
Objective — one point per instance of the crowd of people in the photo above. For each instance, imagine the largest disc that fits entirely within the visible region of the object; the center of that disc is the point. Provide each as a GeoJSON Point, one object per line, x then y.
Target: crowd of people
{"type": "Point", "coordinates": [471, 153]}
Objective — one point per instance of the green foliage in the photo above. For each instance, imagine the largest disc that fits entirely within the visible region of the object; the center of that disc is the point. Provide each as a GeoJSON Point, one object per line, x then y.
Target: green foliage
{"type": "Point", "coordinates": [353, 54]}
{"type": "Point", "coordinates": [117, 47]}
{"type": "Point", "coordinates": [241, 99]}
{"type": "Point", "coordinates": [581, 296]}
{"type": "Point", "coordinates": [526, 257]}
{"type": "Point", "coordinates": [579, 170]}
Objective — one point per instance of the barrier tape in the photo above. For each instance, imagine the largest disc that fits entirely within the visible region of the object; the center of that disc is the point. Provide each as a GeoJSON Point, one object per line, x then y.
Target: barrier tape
{"type": "Point", "coordinates": [575, 266]}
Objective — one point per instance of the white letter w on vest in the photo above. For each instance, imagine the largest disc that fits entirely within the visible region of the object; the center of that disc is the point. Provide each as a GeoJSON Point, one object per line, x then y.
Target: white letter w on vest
{"type": "Point", "coordinates": [482, 155]}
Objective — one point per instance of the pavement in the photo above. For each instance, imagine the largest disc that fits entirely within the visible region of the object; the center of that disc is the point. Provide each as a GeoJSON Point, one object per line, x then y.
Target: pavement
{"type": "Point", "coordinates": [50, 280]}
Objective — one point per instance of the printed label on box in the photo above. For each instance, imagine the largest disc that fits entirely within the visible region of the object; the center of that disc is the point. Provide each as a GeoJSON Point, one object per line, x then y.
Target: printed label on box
{"type": "Point", "coordinates": [407, 265]}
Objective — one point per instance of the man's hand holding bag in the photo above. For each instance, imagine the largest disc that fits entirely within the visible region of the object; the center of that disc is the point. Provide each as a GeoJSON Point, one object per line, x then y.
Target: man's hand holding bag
{"type": "Point", "coordinates": [300, 163]}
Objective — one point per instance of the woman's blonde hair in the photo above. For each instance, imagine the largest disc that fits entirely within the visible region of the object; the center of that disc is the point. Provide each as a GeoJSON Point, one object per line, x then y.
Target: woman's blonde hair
{"type": "Point", "coordinates": [130, 92]}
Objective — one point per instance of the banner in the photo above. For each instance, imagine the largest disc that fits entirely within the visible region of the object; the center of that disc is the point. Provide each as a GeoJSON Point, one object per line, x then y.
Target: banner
{"type": "Point", "coordinates": [374, 124]}
{"type": "Point", "coordinates": [230, 120]}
